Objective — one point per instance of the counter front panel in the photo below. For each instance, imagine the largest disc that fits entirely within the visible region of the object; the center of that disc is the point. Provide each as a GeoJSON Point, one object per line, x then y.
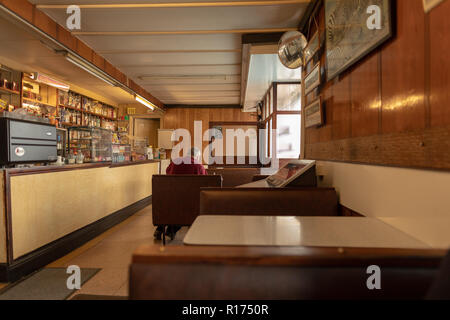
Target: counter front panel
{"type": "Point", "coordinates": [49, 205]}
{"type": "Point", "coordinates": [2, 224]}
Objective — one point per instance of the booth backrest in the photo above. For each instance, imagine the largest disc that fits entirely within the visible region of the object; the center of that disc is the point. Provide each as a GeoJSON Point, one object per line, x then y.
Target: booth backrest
{"type": "Point", "coordinates": [233, 177]}
{"type": "Point", "coordinates": [258, 273]}
{"type": "Point", "coordinates": [270, 201]}
{"type": "Point", "coordinates": [175, 198]}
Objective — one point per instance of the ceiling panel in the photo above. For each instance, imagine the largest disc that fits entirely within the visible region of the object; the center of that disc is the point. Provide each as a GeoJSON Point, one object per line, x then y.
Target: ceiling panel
{"type": "Point", "coordinates": [183, 70]}
{"type": "Point", "coordinates": [191, 87]}
{"type": "Point", "coordinates": [189, 68]}
{"type": "Point", "coordinates": [174, 58]}
{"type": "Point", "coordinates": [175, 19]}
{"type": "Point", "coordinates": [128, 43]}
{"type": "Point", "coordinates": [265, 69]}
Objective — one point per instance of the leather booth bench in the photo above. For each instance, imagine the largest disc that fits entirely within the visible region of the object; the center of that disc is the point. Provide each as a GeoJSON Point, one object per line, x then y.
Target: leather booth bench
{"type": "Point", "coordinates": [269, 201]}
{"type": "Point", "coordinates": [176, 199]}
{"type": "Point", "coordinates": [290, 273]}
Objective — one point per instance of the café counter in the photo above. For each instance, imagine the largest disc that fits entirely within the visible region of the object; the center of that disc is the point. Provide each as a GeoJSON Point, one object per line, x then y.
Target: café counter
{"type": "Point", "coordinates": [48, 211]}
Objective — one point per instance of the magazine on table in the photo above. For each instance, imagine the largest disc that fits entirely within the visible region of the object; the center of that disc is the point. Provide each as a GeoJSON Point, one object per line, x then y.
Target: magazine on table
{"type": "Point", "coordinates": [289, 172]}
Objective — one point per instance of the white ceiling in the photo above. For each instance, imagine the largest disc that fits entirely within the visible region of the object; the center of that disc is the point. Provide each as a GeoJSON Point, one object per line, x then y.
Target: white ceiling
{"type": "Point", "coordinates": [178, 68]}
{"type": "Point", "coordinates": [265, 69]}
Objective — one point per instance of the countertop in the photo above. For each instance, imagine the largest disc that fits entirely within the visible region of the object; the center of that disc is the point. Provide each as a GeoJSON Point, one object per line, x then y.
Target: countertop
{"type": "Point", "coordinates": [67, 167]}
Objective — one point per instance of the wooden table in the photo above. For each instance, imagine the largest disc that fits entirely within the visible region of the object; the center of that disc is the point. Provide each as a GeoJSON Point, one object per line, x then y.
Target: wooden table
{"type": "Point", "coordinates": [298, 231]}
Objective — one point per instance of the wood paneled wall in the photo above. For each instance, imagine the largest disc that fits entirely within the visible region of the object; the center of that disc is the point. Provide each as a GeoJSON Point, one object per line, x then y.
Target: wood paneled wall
{"type": "Point", "coordinates": [176, 118]}
{"type": "Point", "coordinates": [392, 108]}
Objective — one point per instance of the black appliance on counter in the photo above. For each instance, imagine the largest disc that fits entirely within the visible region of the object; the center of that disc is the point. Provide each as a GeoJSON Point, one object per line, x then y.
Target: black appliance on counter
{"type": "Point", "coordinates": [26, 140]}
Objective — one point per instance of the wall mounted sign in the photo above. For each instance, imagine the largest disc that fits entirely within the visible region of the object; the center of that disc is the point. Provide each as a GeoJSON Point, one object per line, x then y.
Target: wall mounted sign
{"type": "Point", "coordinates": [312, 80]}
{"type": "Point", "coordinates": [312, 47]}
{"type": "Point", "coordinates": [314, 114]}
{"type": "Point", "coordinates": [354, 29]}
{"type": "Point", "coordinates": [430, 4]}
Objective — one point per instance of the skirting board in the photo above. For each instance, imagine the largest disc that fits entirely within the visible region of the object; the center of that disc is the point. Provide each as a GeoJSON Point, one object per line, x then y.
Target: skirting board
{"type": "Point", "coordinates": [58, 248]}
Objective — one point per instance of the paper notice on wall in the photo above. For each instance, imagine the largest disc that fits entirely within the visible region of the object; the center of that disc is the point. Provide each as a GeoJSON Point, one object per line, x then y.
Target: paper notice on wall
{"type": "Point", "coordinates": [430, 4]}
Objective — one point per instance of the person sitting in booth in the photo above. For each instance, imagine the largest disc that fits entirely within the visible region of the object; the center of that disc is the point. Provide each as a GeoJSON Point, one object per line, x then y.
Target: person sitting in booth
{"type": "Point", "coordinates": [188, 165]}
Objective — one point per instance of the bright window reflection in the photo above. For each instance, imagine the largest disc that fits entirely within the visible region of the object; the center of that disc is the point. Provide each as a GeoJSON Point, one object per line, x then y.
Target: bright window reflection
{"type": "Point", "coordinates": [288, 137]}
{"type": "Point", "coordinates": [289, 97]}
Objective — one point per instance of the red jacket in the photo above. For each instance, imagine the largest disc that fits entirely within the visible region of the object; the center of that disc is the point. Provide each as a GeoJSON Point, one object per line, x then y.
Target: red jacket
{"type": "Point", "coordinates": [187, 166]}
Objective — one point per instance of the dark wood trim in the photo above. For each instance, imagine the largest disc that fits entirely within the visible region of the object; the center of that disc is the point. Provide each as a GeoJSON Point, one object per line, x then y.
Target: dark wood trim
{"type": "Point", "coordinates": [208, 106]}
{"type": "Point", "coordinates": [8, 223]}
{"type": "Point", "coordinates": [347, 212]}
{"type": "Point", "coordinates": [58, 248]}
{"type": "Point", "coordinates": [261, 38]}
{"type": "Point", "coordinates": [310, 11]}
{"type": "Point", "coordinates": [232, 123]}
{"type": "Point", "coordinates": [289, 256]}
{"type": "Point", "coordinates": [3, 272]}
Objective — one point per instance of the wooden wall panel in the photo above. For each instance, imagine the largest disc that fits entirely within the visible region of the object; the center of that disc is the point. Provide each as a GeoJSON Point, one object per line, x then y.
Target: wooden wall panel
{"type": "Point", "coordinates": [440, 65]}
{"type": "Point", "coordinates": [365, 97]}
{"type": "Point", "coordinates": [403, 71]}
{"type": "Point", "coordinates": [391, 108]}
{"type": "Point", "coordinates": [175, 118]}
{"type": "Point", "coordinates": [326, 132]}
{"type": "Point", "coordinates": [84, 51]}
{"type": "Point", "coordinates": [45, 23]}
{"type": "Point", "coordinates": [341, 109]}
{"type": "Point", "coordinates": [21, 7]}
{"type": "Point", "coordinates": [66, 38]}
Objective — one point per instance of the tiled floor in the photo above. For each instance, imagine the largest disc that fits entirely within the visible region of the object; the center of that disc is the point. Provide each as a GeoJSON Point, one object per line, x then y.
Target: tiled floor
{"type": "Point", "coordinates": [112, 251]}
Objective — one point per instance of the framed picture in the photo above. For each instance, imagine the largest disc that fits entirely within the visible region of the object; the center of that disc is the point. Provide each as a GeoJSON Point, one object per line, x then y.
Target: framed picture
{"type": "Point", "coordinates": [312, 47]}
{"type": "Point", "coordinates": [430, 4]}
{"type": "Point", "coordinates": [314, 114]}
{"type": "Point", "coordinates": [354, 29]}
{"type": "Point", "coordinates": [312, 80]}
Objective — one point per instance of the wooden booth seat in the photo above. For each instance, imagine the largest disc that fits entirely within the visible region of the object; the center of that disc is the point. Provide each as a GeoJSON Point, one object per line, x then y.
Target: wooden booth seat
{"type": "Point", "coordinates": [176, 197]}
{"type": "Point", "coordinates": [269, 201]}
{"type": "Point", "coordinates": [289, 273]}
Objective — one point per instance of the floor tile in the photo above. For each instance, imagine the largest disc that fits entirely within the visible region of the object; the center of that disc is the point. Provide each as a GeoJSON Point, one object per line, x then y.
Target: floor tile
{"type": "Point", "coordinates": [107, 281]}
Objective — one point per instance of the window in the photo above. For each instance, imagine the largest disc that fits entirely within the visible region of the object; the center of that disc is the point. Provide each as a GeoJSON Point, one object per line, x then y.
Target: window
{"type": "Point", "coordinates": [282, 112]}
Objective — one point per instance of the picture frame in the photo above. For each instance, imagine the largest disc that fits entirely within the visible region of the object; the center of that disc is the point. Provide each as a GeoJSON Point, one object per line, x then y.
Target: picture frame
{"type": "Point", "coordinates": [312, 79]}
{"type": "Point", "coordinates": [428, 5]}
{"type": "Point", "coordinates": [314, 114]}
{"type": "Point", "coordinates": [348, 37]}
{"type": "Point", "coordinates": [312, 47]}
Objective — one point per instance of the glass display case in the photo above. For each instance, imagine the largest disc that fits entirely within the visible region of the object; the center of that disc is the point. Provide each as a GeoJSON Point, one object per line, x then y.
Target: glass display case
{"type": "Point", "coordinates": [121, 153]}
{"type": "Point", "coordinates": [95, 144]}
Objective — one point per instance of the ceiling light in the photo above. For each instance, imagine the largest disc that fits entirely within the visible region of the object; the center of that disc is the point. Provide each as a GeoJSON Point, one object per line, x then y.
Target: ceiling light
{"type": "Point", "coordinates": [145, 102]}
{"type": "Point", "coordinates": [90, 69]}
{"type": "Point", "coordinates": [42, 78]}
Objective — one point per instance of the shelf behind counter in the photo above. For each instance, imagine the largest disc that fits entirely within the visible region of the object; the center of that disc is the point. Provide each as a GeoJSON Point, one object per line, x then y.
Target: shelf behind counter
{"type": "Point", "coordinates": [51, 210]}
